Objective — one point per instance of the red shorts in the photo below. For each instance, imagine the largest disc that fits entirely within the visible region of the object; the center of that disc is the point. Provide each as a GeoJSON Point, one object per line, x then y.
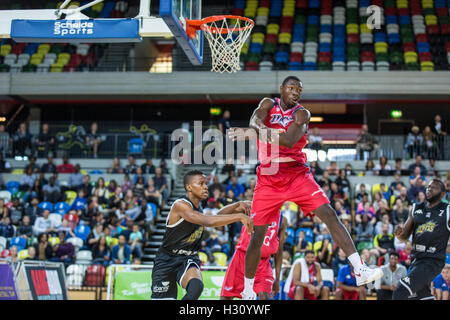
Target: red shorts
{"type": "Point", "coordinates": [233, 283]}
{"type": "Point", "coordinates": [307, 295]}
{"type": "Point", "coordinates": [349, 295]}
{"type": "Point", "coordinates": [292, 182]}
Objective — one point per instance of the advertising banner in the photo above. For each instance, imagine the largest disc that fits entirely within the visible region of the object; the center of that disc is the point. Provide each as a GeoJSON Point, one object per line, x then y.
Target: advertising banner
{"type": "Point", "coordinates": [46, 283]}
{"type": "Point", "coordinates": [133, 285]}
{"type": "Point", "coordinates": [7, 286]}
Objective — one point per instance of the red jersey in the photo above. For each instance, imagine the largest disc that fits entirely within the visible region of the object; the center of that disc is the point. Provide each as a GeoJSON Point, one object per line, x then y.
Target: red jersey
{"type": "Point", "coordinates": [279, 119]}
{"type": "Point", "coordinates": [271, 240]}
{"type": "Point", "coordinates": [312, 273]}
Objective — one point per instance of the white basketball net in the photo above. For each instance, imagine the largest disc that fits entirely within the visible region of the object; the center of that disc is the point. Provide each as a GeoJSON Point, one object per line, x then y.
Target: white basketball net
{"type": "Point", "coordinates": [226, 38]}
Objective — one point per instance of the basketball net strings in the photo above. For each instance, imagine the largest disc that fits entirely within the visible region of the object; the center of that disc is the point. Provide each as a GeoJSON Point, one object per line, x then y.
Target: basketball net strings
{"type": "Point", "coordinates": [226, 47]}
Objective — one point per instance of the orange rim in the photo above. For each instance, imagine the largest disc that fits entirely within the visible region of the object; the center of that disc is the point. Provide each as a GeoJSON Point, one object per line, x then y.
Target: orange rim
{"type": "Point", "coordinates": [192, 26]}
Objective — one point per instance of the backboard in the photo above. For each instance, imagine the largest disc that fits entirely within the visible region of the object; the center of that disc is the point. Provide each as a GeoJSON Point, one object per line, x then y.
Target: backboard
{"type": "Point", "coordinates": [174, 13]}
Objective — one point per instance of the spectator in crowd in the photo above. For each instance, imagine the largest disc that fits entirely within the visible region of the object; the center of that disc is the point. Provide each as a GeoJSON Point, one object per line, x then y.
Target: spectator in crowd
{"type": "Point", "coordinates": [224, 122]}
{"type": "Point", "coordinates": [48, 167]}
{"type": "Point", "coordinates": [394, 190]}
{"type": "Point", "coordinates": [237, 188]}
{"type": "Point", "coordinates": [5, 166]}
{"type": "Point", "coordinates": [64, 227]}
{"type": "Point", "coordinates": [65, 167]}
{"type": "Point", "coordinates": [418, 163]}
{"type": "Point", "coordinates": [148, 167]}
{"type": "Point", "coordinates": [346, 220]}
{"type": "Point", "coordinates": [211, 261]}
{"type": "Point", "coordinates": [95, 235]}
{"type": "Point", "coordinates": [415, 189]}
{"type": "Point", "coordinates": [432, 170]}
{"type": "Point", "coordinates": [368, 258]}
{"type": "Point", "coordinates": [349, 170]}
{"type": "Point", "coordinates": [139, 174]}
{"type": "Point", "coordinates": [63, 251]}
{"type": "Point", "coordinates": [339, 260]}
{"type": "Point", "coordinates": [324, 253]}
{"type": "Point", "coordinates": [163, 166]}
{"type": "Point", "coordinates": [131, 167]}
{"type": "Point", "coordinates": [385, 219]}
{"type": "Point", "coordinates": [383, 168]}
{"type": "Point", "coordinates": [392, 273]}
{"type": "Point", "coordinates": [366, 142]}
{"type": "Point", "coordinates": [87, 185]}
{"type": "Point", "coordinates": [211, 208]}
{"type": "Point", "coordinates": [405, 254]}
{"type": "Point", "coordinates": [4, 141]}
{"type": "Point", "coordinates": [32, 210]}
{"type": "Point", "coordinates": [332, 169]}
{"type": "Point", "coordinates": [43, 248]}
{"type": "Point", "coordinates": [139, 188]}
{"type": "Point", "coordinates": [100, 252]}
{"type": "Point", "coordinates": [338, 194]}
{"type": "Point", "coordinates": [307, 283]}
{"type": "Point", "coordinates": [100, 191]}
{"type": "Point", "coordinates": [33, 165]}
{"type": "Point", "coordinates": [414, 142]}
{"type": "Point", "coordinates": [213, 242]}
{"type": "Point", "coordinates": [416, 175]}
{"type": "Point", "coordinates": [51, 192]}
{"type": "Point", "coordinates": [126, 183]}
{"type": "Point", "coordinates": [366, 210]}
{"type": "Point", "coordinates": [440, 286]}
{"type": "Point", "coordinates": [304, 221]}
{"type": "Point", "coordinates": [362, 192]}
{"type": "Point", "coordinates": [302, 245]}
{"type": "Point", "coordinates": [132, 209]}
{"type": "Point", "coordinates": [316, 170]}
{"type": "Point", "coordinates": [216, 185]}
{"type": "Point", "coordinates": [45, 141]}
{"type": "Point", "coordinates": [16, 211]}
{"type": "Point", "coordinates": [13, 258]}
{"type": "Point", "coordinates": [429, 142]}
{"type": "Point", "coordinates": [364, 230]}
{"type": "Point", "coordinates": [43, 224]}
{"type": "Point", "coordinates": [438, 128]}
{"type": "Point", "coordinates": [25, 229]}
{"type": "Point", "coordinates": [315, 141]}
{"type": "Point", "coordinates": [151, 193]}
{"type": "Point", "coordinates": [80, 202]}
{"type": "Point", "coordinates": [404, 197]}
{"type": "Point", "coordinates": [400, 213]}
{"type": "Point", "coordinates": [370, 168]}
{"type": "Point", "coordinates": [325, 179]}
{"type": "Point", "coordinates": [115, 166]}
{"type": "Point", "coordinates": [121, 252]}
{"type": "Point", "coordinates": [343, 182]}
{"type": "Point", "coordinates": [398, 167]}
{"type": "Point", "coordinates": [161, 183]}
{"type": "Point", "coordinates": [229, 167]}
{"type": "Point", "coordinates": [31, 254]}
{"type": "Point", "coordinates": [28, 179]}
{"type": "Point", "coordinates": [76, 178]}
{"type": "Point", "coordinates": [6, 228]}
{"type": "Point", "coordinates": [4, 211]}
{"type": "Point", "coordinates": [21, 140]}
{"type": "Point", "coordinates": [93, 139]}
{"type": "Point", "coordinates": [346, 285]}
{"type": "Point", "coordinates": [383, 243]}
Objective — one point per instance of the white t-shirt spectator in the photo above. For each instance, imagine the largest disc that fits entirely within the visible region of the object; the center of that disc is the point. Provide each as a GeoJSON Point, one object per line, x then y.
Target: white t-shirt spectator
{"type": "Point", "coordinates": [41, 225]}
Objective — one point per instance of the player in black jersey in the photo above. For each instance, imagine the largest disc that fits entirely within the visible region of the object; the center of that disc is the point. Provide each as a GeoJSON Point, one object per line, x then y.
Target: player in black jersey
{"type": "Point", "coordinates": [177, 260]}
{"type": "Point", "coordinates": [429, 223]}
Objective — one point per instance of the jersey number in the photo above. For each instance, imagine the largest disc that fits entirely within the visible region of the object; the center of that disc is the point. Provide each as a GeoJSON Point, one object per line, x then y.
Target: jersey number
{"type": "Point", "coordinates": [269, 237]}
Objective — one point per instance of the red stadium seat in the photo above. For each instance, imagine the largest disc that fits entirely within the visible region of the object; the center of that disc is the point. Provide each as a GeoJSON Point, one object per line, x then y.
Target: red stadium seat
{"type": "Point", "coordinates": [425, 56]}
{"type": "Point", "coordinates": [353, 38]}
{"type": "Point", "coordinates": [251, 66]}
{"type": "Point", "coordinates": [445, 29]}
{"type": "Point", "coordinates": [442, 11]}
{"type": "Point", "coordinates": [403, 12]}
{"type": "Point", "coordinates": [433, 29]}
{"type": "Point", "coordinates": [447, 46]}
{"type": "Point", "coordinates": [296, 57]}
{"type": "Point", "coordinates": [409, 46]}
{"type": "Point", "coordinates": [421, 38]}
{"type": "Point", "coordinates": [271, 38]}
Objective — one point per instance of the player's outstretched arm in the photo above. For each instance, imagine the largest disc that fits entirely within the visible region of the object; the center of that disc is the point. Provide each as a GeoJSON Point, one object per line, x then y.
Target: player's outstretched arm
{"type": "Point", "coordinates": [237, 207]}
{"type": "Point", "coordinates": [296, 130]}
{"type": "Point", "coordinates": [403, 232]}
{"type": "Point", "coordinates": [186, 212]}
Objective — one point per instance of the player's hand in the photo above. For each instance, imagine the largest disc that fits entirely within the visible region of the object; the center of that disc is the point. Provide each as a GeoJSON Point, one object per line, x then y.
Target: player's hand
{"type": "Point", "coordinates": [244, 207]}
{"type": "Point", "coordinates": [270, 135]}
{"type": "Point", "coordinates": [247, 222]}
{"type": "Point", "coordinates": [399, 230]}
{"type": "Point", "coordinates": [236, 134]}
{"type": "Point", "coordinates": [275, 288]}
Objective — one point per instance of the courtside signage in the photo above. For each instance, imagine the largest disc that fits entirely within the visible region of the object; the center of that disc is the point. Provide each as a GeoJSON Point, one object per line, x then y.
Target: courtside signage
{"type": "Point", "coordinates": [94, 30]}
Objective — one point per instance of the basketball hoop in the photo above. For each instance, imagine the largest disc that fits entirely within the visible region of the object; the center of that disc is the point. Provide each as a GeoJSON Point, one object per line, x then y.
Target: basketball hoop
{"type": "Point", "coordinates": [226, 35]}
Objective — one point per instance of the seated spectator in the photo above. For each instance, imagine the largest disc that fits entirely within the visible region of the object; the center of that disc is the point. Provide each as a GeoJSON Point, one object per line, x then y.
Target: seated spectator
{"type": "Point", "coordinates": [93, 139]}
{"type": "Point", "coordinates": [421, 198]}
{"type": "Point", "coordinates": [21, 140]}
{"type": "Point", "coordinates": [418, 163]}
{"type": "Point", "coordinates": [80, 202]}
{"type": "Point", "coordinates": [229, 198]}
{"type": "Point", "coordinates": [404, 197]}
{"type": "Point", "coordinates": [136, 239]}
{"type": "Point", "coordinates": [211, 208]}
{"type": "Point", "coordinates": [364, 230]}
{"type": "Point", "coordinates": [315, 141]}
{"type": "Point", "coordinates": [132, 208]}
{"type": "Point", "coordinates": [338, 261]}
{"type": "Point", "coordinates": [32, 210]}
{"type": "Point", "coordinates": [325, 179]}
{"type": "Point", "coordinates": [13, 258]}
{"type": "Point", "coordinates": [392, 273]}
{"type": "Point", "coordinates": [211, 261]}
{"type": "Point", "coordinates": [115, 166]}
{"type": "Point", "coordinates": [414, 141]}
{"type": "Point", "coordinates": [161, 183]}
{"type": "Point", "coordinates": [5, 166]}
{"type": "Point", "coordinates": [385, 219]}
{"type": "Point", "coordinates": [346, 220]}
{"type": "Point", "coordinates": [307, 283]}
{"type": "Point", "coordinates": [332, 169]}
{"type": "Point", "coordinates": [339, 208]}
{"type": "Point", "coordinates": [121, 252]}
{"type": "Point", "coordinates": [361, 193]}
{"type": "Point", "coordinates": [400, 213]}
{"type": "Point", "coordinates": [16, 211]}
{"type": "Point", "coordinates": [228, 167]}
{"type": "Point", "coordinates": [64, 251]}
{"type": "Point", "coordinates": [43, 248]}
{"type": "Point", "coordinates": [25, 229]}
{"type": "Point", "coordinates": [148, 167]}
{"type": "Point", "coordinates": [131, 167]}
{"type": "Point", "coordinates": [51, 192]}
{"type": "Point", "coordinates": [290, 211]}
{"type": "Point", "coordinates": [383, 243]}
{"type": "Point", "coordinates": [370, 168]}
{"type": "Point", "coordinates": [65, 167]}
{"type": "Point", "coordinates": [316, 170]}
{"type": "Point", "coordinates": [398, 168]}
{"type": "Point", "coordinates": [76, 178]}
{"type": "Point", "coordinates": [65, 227]}
{"type": "Point", "coordinates": [95, 235]}
{"type": "Point", "coordinates": [241, 177]}
{"type": "Point", "coordinates": [383, 209]}
{"type": "Point", "coordinates": [349, 170]}
{"type": "Point", "coordinates": [302, 246]}
{"type": "Point", "coordinates": [382, 168]}
{"type": "Point", "coordinates": [100, 191]}
{"type": "Point", "coordinates": [432, 170]}
{"type": "Point", "coordinates": [346, 285]}
{"type": "Point", "coordinates": [405, 254]}
{"type": "Point", "coordinates": [216, 185]}
{"type": "Point", "coordinates": [368, 258]}
{"type": "Point", "coordinates": [393, 187]}
{"type": "Point", "coordinates": [213, 242]}
{"type": "Point", "coordinates": [28, 179]}
{"type": "Point", "coordinates": [126, 183]}
{"type": "Point", "coordinates": [366, 210]}
{"type": "Point", "coordinates": [44, 224]}
{"type": "Point", "coordinates": [385, 192]}
{"type": "Point", "coordinates": [32, 164]}
{"type": "Point", "coordinates": [31, 254]}
{"type": "Point", "coordinates": [4, 211]}
{"type": "Point", "coordinates": [49, 167]}
{"type": "Point", "coordinates": [342, 181]}
{"type": "Point", "coordinates": [441, 284]}
{"type": "Point", "coordinates": [6, 228]}
{"type": "Point", "coordinates": [366, 144]}
{"type": "Point", "coordinates": [89, 212]}
{"type": "Point", "coordinates": [416, 175]}
{"type": "Point", "coordinates": [45, 141]}
{"type": "Point", "coordinates": [139, 188]}
{"type": "Point", "coordinates": [415, 189]}
{"type": "Point", "coordinates": [139, 174]}
{"type": "Point", "coordinates": [320, 230]}
{"type": "Point", "coordinates": [338, 194]}
{"type": "Point", "coordinates": [237, 188]}
{"type": "Point", "coordinates": [324, 254]}
{"type": "Point", "coordinates": [304, 221]}
{"type": "Point", "coordinates": [163, 166]}
{"type": "Point", "coordinates": [101, 253]}
{"type": "Point", "coordinates": [151, 193]}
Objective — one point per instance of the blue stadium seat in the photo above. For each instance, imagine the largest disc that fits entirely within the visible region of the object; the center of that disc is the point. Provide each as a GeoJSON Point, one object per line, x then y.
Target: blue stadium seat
{"type": "Point", "coordinates": [45, 205]}
{"type": "Point", "coordinates": [19, 242]}
{"type": "Point", "coordinates": [61, 208]}
{"type": "Point", "coordinates": [136, 146]}
{"type": "Point", "coordinates": [290, 236]}
{"type": "Point", "coordinates": [12, 186]}
{"type": "Point", "coordinates": [309, 234]}
{"type": "Point", "coordinates": [82, 231]}
{"type": "Point", "coordinates": [154, 209]}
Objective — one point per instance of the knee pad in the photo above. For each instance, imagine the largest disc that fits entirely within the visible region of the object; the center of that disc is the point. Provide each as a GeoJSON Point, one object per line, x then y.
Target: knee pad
{"type": "Point", "coordinates": [194, 289]}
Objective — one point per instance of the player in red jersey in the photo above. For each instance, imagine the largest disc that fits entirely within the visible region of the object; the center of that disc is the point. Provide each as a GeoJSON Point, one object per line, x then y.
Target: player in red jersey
{"type": "Point", "coordinates": [281, 126]}
{"type": "Point", "coordinates": [265, 284]}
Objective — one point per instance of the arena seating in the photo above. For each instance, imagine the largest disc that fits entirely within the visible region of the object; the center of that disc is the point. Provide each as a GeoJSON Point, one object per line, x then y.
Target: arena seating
{"type": "Point", "coordinates": [58, 57]}
{"type": "Point", "coordinates": [333, 35]}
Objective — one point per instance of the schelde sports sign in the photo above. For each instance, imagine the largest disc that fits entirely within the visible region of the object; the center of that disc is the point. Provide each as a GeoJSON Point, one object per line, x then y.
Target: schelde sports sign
{"type": "Point", "coordinates": [94, 30]}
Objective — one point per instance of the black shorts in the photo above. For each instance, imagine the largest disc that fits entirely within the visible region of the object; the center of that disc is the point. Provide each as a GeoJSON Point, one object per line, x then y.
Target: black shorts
{"type": "Point", "coordinates": [169, 269]}
{"type": "Point", "coordinates": [421, 273]}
